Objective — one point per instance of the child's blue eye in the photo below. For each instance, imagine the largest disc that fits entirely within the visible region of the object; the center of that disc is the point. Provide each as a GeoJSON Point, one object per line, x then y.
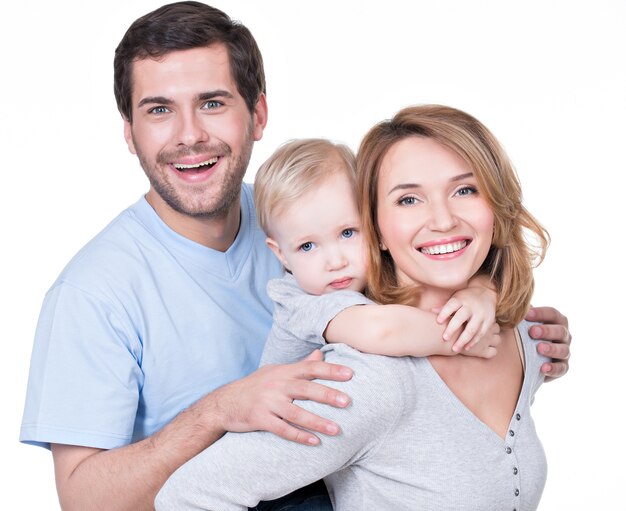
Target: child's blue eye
{"type": "Point", "coordinates": [347, 233]}
{"type": "Point", "coordinates": [307, 247]}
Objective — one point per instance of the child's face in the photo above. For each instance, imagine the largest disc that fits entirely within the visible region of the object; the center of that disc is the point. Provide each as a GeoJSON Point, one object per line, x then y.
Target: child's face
{"type": "Point", "coordinates": [318, 238]}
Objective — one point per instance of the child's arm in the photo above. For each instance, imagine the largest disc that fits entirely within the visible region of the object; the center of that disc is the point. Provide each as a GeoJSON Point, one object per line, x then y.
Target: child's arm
{"type": "Point", "coordinates": [399, 330]}
{"type": "Point", "coordinates": [393, 330]}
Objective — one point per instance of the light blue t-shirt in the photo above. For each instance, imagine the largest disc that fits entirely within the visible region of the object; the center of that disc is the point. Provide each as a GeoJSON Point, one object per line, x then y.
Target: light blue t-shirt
{"type": "Point", "coordinates": [142, 323]}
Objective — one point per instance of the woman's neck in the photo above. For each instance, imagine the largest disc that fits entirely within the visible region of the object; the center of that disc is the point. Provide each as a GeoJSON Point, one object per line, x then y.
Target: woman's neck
{"type": "Point", "coordinates": [431, 298]}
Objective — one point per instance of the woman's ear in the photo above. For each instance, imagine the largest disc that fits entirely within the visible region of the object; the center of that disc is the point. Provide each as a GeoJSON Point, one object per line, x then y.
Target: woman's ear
{"type": "Point", "coordinates": [277, 252]}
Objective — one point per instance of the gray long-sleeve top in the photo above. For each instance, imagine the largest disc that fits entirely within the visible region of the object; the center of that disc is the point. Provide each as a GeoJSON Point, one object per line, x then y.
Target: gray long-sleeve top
{"type": "Point", "coordinates": [406, 443]}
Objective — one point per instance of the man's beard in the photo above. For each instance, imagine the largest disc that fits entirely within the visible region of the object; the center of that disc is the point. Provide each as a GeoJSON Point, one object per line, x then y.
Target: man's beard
{"type": "Point", "coordinates": [229, 186]}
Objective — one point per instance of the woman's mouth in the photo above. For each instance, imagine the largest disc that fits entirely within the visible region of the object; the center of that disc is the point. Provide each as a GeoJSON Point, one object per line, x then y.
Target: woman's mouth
{"type": "Point", "coordinates": [445, 248]}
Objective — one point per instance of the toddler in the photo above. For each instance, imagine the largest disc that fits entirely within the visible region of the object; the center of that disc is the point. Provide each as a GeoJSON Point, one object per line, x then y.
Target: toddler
{"type": "Point", "coordinates": [305, 198]}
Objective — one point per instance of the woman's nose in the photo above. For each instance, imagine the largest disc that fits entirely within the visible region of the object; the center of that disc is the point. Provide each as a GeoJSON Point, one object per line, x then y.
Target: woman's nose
{"type": "Point", "coordinates": [442, 218]}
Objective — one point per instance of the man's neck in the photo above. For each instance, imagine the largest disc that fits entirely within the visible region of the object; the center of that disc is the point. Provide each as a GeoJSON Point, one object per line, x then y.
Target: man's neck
{"type": "Point", "coordinates": [215, 233]}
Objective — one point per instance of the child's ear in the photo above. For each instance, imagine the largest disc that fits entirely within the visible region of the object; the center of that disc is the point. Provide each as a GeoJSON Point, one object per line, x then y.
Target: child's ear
{"type": "Point", "coordinates": [277, 252]}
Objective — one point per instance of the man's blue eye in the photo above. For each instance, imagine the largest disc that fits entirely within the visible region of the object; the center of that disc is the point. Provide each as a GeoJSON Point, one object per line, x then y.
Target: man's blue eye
{"type": "Point", "coordinates": [212, 104]}
{"type": "Point", "coordinates": [159, 110]}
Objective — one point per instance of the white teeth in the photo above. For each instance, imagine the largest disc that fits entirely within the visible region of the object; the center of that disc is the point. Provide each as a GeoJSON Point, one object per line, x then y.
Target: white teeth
{"type": "Point", "coordinates": [444, 249]}
{"type": "Point", "coordinates": [181, 166]}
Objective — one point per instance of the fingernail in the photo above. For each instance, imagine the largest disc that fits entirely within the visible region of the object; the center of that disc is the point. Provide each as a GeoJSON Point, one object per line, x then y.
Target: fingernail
{"type": "Point", "coordinates": [332, 429]}
{"type": "Point", "coordinates": [531, 314]}
{"type": "Point", "coordinates": [342, 399]}
{"type": "Point", "coordinates": [344, 371]}
{"type": "Point", "coordinates": [312, 440]}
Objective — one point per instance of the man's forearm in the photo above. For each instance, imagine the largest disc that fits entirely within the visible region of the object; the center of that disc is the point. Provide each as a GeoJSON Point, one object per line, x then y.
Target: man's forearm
{"type": "Point", "coordinates": [128, 478]}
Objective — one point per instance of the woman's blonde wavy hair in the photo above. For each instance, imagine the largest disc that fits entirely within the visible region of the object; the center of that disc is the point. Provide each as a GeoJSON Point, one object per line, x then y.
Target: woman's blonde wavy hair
{"type": "Point", "coordinates": [519, 242]}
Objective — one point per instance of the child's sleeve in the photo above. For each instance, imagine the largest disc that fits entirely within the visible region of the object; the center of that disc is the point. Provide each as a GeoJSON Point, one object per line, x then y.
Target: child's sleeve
{"type": "Point", "coordinates": [300, 319]}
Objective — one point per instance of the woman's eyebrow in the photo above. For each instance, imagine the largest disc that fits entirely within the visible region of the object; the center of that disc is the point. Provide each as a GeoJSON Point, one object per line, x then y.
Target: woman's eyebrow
{"type": "Point", "coordinates": [407, 186]}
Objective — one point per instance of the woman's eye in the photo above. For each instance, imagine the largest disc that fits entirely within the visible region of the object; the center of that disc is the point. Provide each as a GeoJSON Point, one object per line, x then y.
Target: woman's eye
{"type": "Point", "coordinates": [466, 190]}
{"type": "Point", "coordinates": [307, 247]}
{"type": "Point", "coordinates": [347, 233]}
{"type": "Point", "coordinates": [407, 201]}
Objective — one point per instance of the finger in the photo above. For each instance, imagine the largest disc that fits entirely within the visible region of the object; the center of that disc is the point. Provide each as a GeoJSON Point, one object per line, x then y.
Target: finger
{"type": "Point", "coordinates": [302, 418]}
{"type": "Point", "coordinates": [495, 340]}
{"type": "Point", "coordinates": [555, 333]}
{"type": "Point", "coordinates": [316, 369]}
{"type": "Point", "coordinates": [554, 370]}
{"type": "Point", "coordinates": [554, 351]}
{"type": "Point", "coordinates": [448, 309]}
{"type": "Point", "coordinates": [481, 332]}
{"type": "Point", "coordinates": [490, 352]}
{"type": "Point", "coordinates": [455, 324]}
{"type": "Point", "coordinates": [468, 336]}
{"type": "Point", "coordinates": [546, 315]}
{"type": "Point", "coordinates": [315, 355]}
{"type": "Point", "coordinates": [285, 430]}
{"type": "Point", "coordinates": [310, 391]}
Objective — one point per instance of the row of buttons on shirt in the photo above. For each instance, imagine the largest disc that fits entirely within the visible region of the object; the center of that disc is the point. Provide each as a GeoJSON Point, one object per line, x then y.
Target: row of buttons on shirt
{"type": "Point", "coordinates": [518, 417]}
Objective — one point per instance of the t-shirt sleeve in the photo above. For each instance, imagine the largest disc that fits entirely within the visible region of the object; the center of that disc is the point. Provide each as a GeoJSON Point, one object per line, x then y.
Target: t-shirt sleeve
{"type": "Point", "coordinates": [85, 377]}
{"type": "Point", "coordinates": [300, 319]}
{"type": "Point", "coordinates": [242, 469]}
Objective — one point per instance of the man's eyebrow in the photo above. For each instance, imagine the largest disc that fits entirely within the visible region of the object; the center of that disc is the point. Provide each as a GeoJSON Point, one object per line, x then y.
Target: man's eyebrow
{"type": "Point", "coordinates": [151, 100]}
{"type": "Point", "coordinates": [407, 186]}
{"type": "Point", "coordinates": [205, 96]}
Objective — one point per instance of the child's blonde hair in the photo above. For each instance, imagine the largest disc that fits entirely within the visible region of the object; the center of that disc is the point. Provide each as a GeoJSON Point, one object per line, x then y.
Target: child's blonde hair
{"type": "Point", "coordinates": [295, 168]}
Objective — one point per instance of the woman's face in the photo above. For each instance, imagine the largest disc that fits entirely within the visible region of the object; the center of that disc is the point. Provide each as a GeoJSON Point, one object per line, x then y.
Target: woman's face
{"type": "Point", "coordinates": [431, 217]}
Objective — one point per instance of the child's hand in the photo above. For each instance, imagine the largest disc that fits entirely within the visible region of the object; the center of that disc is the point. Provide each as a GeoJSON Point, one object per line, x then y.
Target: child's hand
{"type": "Point", "coordinates": [470, 313]}
{"type": "Point", "coordinates": [487, 345]}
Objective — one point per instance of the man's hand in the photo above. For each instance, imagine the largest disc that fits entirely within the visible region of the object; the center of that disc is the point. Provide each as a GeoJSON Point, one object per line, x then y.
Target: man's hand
{"type": "Point", "coordinates": [264, 399]}
{"type": "Point", "coordinates": [555, 330]}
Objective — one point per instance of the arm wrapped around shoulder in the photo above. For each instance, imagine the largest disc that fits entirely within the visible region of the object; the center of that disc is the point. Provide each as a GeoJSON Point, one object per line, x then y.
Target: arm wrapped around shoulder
{"type": "Point", "coordinates": [242, 469]}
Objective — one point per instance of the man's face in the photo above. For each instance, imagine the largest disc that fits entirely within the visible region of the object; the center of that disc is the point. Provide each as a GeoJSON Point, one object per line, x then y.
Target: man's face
{"type": "Point", "coordinates": [192, 131]}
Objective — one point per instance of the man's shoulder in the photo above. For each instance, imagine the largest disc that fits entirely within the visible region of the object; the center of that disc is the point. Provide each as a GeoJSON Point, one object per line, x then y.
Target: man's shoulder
{"type": "Point", "coordinates": [112, 251]}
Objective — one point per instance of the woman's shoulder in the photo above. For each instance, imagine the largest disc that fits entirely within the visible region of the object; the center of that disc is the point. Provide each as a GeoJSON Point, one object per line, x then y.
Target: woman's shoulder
{"type": "Point", "coordinates": [377, 374]}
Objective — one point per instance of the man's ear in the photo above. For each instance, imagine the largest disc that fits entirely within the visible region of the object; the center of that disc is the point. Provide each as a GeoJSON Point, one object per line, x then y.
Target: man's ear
{"type": "Point", "coordinates": [128, 136]}
{"type": "Point", "coordinates": [277, 252]}
{"type": "Point", "coordinates": [259, 118]}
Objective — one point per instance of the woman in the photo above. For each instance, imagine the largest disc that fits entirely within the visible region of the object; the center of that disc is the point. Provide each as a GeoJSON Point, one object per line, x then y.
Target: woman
{"type": "Point", "coordinates": [441, 203]}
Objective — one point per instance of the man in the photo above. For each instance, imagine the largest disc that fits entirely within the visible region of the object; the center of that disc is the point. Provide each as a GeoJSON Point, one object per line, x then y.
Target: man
{"type": "Point", "coordinates": [147, 344]}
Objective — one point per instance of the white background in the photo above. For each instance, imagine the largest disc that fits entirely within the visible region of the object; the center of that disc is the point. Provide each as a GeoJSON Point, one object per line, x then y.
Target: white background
{"type": "Point", "coordinates": [548, 78]}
